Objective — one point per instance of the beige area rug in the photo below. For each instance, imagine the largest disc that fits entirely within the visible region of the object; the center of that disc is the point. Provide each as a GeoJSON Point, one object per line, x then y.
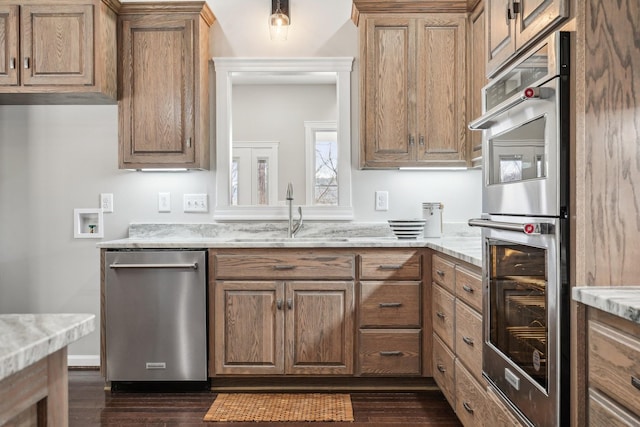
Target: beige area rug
{"type": "Point", "coordinates": [280, 407]}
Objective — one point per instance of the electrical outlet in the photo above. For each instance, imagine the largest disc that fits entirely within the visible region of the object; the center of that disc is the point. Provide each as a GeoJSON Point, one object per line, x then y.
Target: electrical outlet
{"type": "Point", "coordinates": [164, 202]}
{"type": "Point", "coordinates": [382, 200]}
{"type": "Point", "coordinates": [106, 202]}
{"type": "Point", "coordinates": [195, 203]}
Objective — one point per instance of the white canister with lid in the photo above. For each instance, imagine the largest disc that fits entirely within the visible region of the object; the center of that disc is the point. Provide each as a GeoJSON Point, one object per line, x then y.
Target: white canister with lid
{"type": "Point", "coordinates": [432, 214]}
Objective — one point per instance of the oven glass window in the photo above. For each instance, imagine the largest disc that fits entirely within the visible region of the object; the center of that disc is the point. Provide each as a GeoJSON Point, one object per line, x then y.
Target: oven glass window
{"type": "Point", "coordinates": [518, 306]}
{"type": "Point", "coordinates": [518, 155]}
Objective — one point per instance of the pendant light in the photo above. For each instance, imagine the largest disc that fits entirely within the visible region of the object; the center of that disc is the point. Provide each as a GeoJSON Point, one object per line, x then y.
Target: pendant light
{"type": "Point", "coordinates": [279, 22]}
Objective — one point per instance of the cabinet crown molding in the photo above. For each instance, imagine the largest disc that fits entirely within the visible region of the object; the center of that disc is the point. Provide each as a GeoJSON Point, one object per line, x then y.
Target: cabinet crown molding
{"type": "Point", "coordinates": [407, 6]}
{"type": "Point", "coordinates": [189, 7]}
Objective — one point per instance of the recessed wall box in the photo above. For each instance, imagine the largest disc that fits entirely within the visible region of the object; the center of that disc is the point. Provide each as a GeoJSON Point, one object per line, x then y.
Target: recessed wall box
{"type": "Point", "coordinates": [88, 224]}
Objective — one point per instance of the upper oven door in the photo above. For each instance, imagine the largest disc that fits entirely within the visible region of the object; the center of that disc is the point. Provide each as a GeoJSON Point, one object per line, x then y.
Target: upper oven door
{"type": "Point", "coordinates": [522, 157]}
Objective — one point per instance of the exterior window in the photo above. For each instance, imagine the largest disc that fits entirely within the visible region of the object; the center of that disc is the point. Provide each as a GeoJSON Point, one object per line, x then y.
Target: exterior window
{"type": "Point", "coordinates": [254, 173]}
{"type": "Point", "coordinates": [322, 163]}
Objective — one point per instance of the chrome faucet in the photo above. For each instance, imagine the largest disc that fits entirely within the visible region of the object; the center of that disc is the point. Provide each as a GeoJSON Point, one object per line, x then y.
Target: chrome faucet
{"type": "Point", "coordinates": [293, 228]}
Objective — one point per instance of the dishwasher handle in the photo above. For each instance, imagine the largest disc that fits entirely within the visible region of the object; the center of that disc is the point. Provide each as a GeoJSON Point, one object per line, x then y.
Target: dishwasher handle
{"type": "Point", "coordinates": [193, 265]}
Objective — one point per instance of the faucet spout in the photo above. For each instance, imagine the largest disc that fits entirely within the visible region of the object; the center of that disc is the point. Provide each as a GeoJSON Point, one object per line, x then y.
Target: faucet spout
{"type": "Point", "coordinates": [293, 228]}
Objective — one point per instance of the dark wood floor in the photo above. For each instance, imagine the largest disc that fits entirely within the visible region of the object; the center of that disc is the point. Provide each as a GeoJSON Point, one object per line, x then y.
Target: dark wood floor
{"type": "Point", "coordinates": [90, 405]}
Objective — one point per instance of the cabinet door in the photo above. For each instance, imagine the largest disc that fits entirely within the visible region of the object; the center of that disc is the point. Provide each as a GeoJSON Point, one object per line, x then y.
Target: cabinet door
{"type": "Point", "coordinates": [8, 45]}
{"type": "Point", "coordinates": [536, 16]}
{"type": "Point", "coordinates": [500, 31]}
{"type": "Point", "coordinates": [57, 45]}
{"type": "Point", "coordinates": [249, 328]}
{"type": "Point", "coordinates": [477, 79]}
{"type": "Point", "coordinates": [441, 122]}
{"type": "Point", "coordinates": [388, 80]}
{"type": "Point", "coordinates": [157, 89]}
{"type": "Point", "coordinates": [319, 328]}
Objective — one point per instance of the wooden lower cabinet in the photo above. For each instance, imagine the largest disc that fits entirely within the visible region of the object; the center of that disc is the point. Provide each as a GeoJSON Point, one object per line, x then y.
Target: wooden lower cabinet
{"type": "Point", "coordinates": [278, 327]}
{"type": "Point", "coordinates": [613, 370]}
{"type": "Point", "coordinates": [470, 397]}
{"type": "Point", "coordinates": [496, 413]}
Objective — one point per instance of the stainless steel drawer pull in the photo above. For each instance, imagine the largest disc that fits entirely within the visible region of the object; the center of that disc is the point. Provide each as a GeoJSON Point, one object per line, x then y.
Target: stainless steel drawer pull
{"type": "Point", "coordinates": [12, 63]}
{"type": "Point", "coordinates": [421, 139]}
{"type": "Point", "coordinates": [467, 340]}
{"type": "Point", "coordinates": [192, 265]}
{"type": "Point", "coordinates": [467, 407]}
{"type": "Point", "coordinates": [390, 267]}
{"type": "Point", "coordinates": [26, 62]}
{"type": "Point", "coordinates": [441, 368]}
{"type": "Point", "coordinates": [390, 304]}
{"type": "Point", "coordinates": [284, 267]}
{"type": "Point", "coordinates": [467, 289]}
{"type": "Point", "coordinates": [390, 353]}
{"type": "Point", "coordinates": [440, 273]}
{"type": "Point", "coordinates": [326, 258]}
{"type": "Point", "coordinates": [279, 304]}
{"type": "Point", "coordinates": [635, 382]}
{"type": "Point", "coordinates": [411, 140]}
{"type": "Point", "coordinates": [440, 315]}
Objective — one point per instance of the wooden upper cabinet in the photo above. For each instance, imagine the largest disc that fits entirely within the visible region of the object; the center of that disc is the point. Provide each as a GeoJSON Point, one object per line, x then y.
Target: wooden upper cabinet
{"type": "Point", "coordinates": [412, 90]}
{"type": "Point", "coordinates": [477, 80]}
{"type": "Point", "coordinates": [164, 104]}
{"type": "Point", "coordinates": [512, 25]}
{"type": "Point", "coordinates": [58, 53]}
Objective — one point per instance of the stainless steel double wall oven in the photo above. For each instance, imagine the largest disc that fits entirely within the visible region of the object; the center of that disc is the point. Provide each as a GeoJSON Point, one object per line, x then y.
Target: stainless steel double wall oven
{"type": "Point", "coordinates": [525, 233]}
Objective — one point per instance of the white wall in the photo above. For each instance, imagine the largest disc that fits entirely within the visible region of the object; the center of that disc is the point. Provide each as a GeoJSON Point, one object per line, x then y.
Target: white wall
{"type": "Point", "coordinates": [57, 158]}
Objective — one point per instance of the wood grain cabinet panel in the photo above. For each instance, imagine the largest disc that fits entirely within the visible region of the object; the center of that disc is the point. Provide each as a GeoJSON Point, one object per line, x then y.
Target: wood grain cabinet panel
{"type": "Point", "coordinates": [443, 272]}
{"type": "Point", "coordinates": [443, 315]}
{"type": "Point", "coordinates": [164, 102]}
{"type": "Point", "coordinates": [391, 265]}
{"type": "Point", "coordinates": [614, 360]}
{"type": "Point", "coordinates": [444, 369]}
{"type": "Point", "coordinates": [512, 26]}
{"type": "Point", "coordinates": [58, 53]}
{"type": "Point", "coordinates": [390, 304]}
{"type": "Point", "coordinates": [470, 398]}
{"type": "Point", "coordinates": [477, 80]}
{"type": "Point", "coordinates": [413, 79]}
{"type": "Point", "coordinates": [469, 339]}
{"type": "Point", "coordinates": [390, 352]}
{"type": "Point", "coordinates": [468, 286]}
{"type": "Point", "coordinates": [606, 412]}
{"type": "Point", "coordinates": [496, 413]}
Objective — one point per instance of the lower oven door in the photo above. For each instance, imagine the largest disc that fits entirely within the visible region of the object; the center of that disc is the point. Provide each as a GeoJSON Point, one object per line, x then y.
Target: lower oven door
{"type": "Point", "coordinates": [522, 297]}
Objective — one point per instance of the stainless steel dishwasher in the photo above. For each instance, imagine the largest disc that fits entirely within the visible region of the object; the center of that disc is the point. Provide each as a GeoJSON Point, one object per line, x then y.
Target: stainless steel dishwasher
{"type": "Point", "coordinates": [155, 315]}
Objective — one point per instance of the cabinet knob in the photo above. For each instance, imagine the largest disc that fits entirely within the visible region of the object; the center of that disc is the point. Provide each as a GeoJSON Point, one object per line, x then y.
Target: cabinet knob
{"type": "Point", "coordinates": [411, 140]}
{"type": "Point", "coordinates": [12, 63]}
{"type": "Point", "coordinates": [421, 140]}
{"type": "Point", "coordinates": [289, 303]}
{"type": "Point", "coordinates": [26, 62]}
{"type": "Point", "coordinates": [279, 304]}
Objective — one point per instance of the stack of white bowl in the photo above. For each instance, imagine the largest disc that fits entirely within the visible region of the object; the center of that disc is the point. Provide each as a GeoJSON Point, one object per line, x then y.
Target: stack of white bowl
{"type": "Point", "coordinates": [407, 228]}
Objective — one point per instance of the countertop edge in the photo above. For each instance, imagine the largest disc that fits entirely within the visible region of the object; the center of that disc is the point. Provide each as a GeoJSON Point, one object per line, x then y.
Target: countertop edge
{"type": "Point", "coordinates": [621, 301]}
{"type": "Point", "coordinates": [51, 332]}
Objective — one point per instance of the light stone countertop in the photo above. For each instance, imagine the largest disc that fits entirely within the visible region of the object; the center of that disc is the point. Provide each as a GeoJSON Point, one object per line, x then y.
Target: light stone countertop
{"type": "Point", "coordinates": [28, 338]}
{"type": "Point", "coordinates": [621, 301]}
{"type": "Point", "coordinates": [458, 241]}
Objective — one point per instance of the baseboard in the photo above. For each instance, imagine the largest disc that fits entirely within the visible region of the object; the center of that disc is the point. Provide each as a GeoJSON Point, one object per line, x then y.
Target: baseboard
{"type": "Point", "coordinates": [83, 360]}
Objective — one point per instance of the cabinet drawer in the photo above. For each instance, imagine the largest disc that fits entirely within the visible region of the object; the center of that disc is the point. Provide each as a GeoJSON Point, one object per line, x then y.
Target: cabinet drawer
{"type": "Point", "coordinates": [469, 288]}
{"type": "Point", "coordinates": [469, 338]}
{"type": "Point", "coordinates": [605, 412]}
{"type": "Point", "coordinates": [443, 272]}
{"type": "Point", "coordinates": [442, 315]}
{"type": "Point", "coordinates": [391, 265]}
{"type": "Point", "coordinates": [470, 398]}
{"type": "Point", "coordinates": [390, 304]}
{"type": "Point", "coordinates": [443, 369]}
{"type": "Point", "coordinates": [390, 352]}
{"type": "Point", "coordinates": [284, 265]}
{"type": "Point", "coordinates": [614, 364]}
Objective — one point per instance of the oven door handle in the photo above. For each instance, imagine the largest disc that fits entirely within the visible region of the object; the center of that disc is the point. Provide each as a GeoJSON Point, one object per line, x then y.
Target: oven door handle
{"type": "Point", "coordinates": [526, 228]}
{"type": "Point", "coordinates": [486, 120]}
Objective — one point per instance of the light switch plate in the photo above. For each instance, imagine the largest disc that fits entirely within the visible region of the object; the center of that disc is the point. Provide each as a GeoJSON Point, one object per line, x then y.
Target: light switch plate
{"type": "Point", "coordinates": [195, 203]}
{"type": "Point", "coordinates": [164, 202]}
